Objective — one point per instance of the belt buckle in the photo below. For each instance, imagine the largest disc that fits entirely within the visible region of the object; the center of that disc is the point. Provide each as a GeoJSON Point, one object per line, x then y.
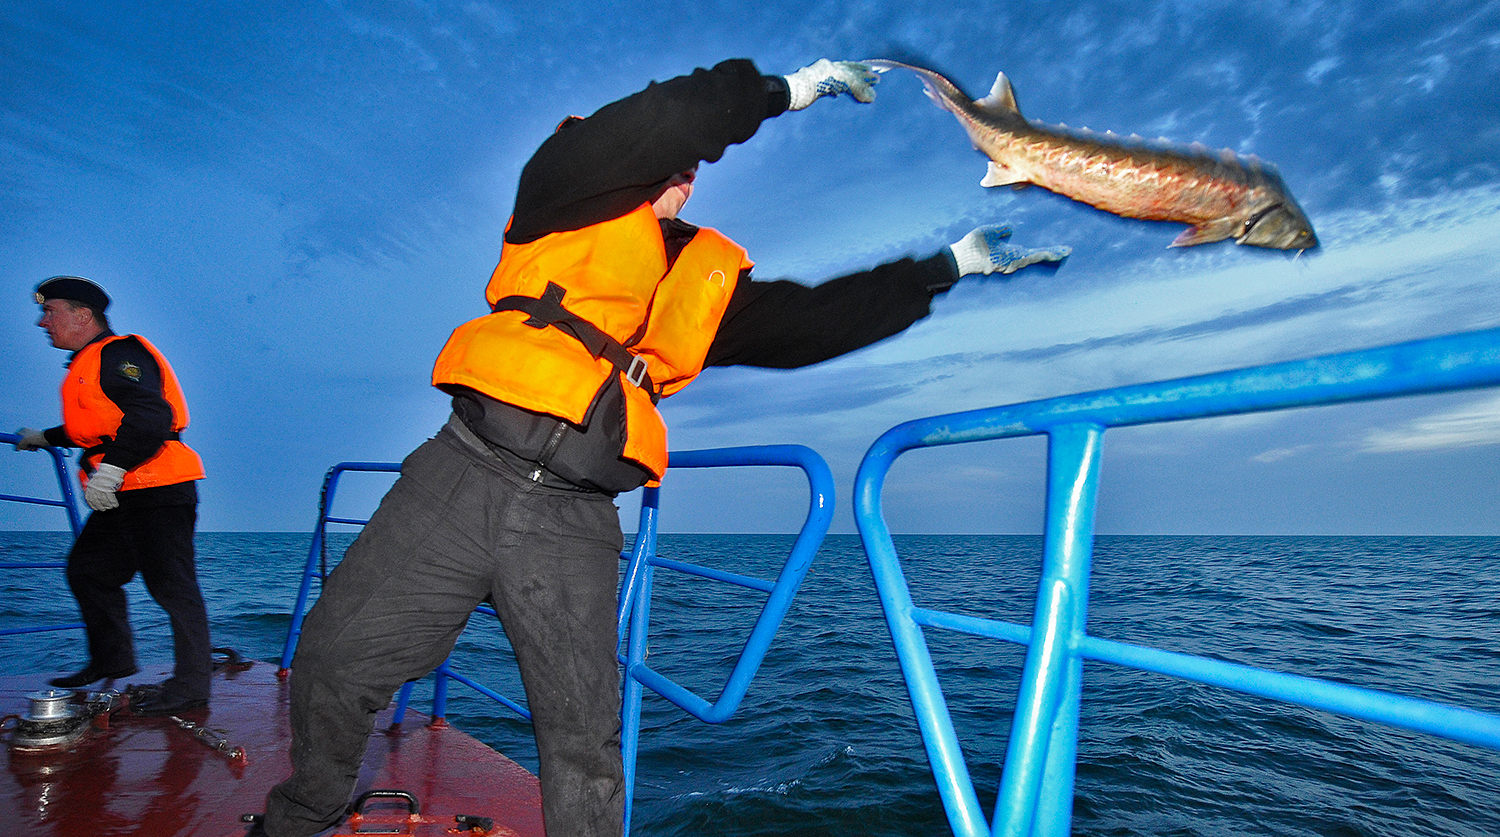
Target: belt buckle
{"type": "Point", "coordinates": [637, 371]}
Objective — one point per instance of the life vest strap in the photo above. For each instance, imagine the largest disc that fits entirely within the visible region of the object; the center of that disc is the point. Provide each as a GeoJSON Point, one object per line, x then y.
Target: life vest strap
{"type": "Point", "coordinates": [88, 467]}
{"type": "Point", "coordinates": [548, 311]}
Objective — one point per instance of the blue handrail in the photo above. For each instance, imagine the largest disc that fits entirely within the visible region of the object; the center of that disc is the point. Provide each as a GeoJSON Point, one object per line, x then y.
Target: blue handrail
{"type": "Point", "coordinates": [67, 503]}
{"type": "Point", "coordinates": [59, 461]}
{"type": "Point", "coordinates": [1036, 790]}
{"type": "Point", "coordinates": [635, 596]}
{"type": "Point", "coordinates": [314, 569]}
{"type": "Point", "coordinates": [315, 552]}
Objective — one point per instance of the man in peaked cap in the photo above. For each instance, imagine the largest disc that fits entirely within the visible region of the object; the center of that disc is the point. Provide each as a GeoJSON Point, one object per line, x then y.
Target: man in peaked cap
{"type": "Point", "coordinates": [122, 404]}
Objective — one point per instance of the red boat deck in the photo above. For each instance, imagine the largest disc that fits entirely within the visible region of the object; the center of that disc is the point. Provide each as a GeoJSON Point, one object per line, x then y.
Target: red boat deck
{"type": "Point", "coordinates": [150, 776]}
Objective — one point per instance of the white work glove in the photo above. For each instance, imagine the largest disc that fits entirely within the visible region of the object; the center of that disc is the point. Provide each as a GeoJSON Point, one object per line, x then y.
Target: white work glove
{"type": "Point", "coordinates": [985, 251]}
{"type": "Point", "coordinates": [830, 78]}
{"type": "Point", "coordinates": [101, 488]}
{"type": "Point", "coordinates": [31, 439]}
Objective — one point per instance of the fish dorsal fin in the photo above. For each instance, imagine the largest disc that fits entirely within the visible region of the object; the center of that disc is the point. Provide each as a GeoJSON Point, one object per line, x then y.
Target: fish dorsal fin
{"type": "Point", "coordinates": [1001, 99]}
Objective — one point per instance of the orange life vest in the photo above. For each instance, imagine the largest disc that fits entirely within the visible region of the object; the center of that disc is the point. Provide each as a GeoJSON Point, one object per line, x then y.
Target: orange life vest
{"type": "Point", "coordinates": [89, 417]}
{"type": "Point", "coordinates": [613, 275]}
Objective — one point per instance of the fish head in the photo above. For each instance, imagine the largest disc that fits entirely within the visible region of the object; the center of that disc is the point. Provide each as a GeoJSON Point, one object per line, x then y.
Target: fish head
{"type": "Point", "coordinates": [1276, 221]}
{"type": "Point", "coordinates": [1281, 226]}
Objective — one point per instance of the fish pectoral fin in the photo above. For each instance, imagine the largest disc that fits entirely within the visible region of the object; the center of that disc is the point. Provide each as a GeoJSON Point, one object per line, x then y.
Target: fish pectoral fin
{"type": "Point", "coordinates": [1216, 230]}
{"type": "Point", "coordinates": [998, 175]}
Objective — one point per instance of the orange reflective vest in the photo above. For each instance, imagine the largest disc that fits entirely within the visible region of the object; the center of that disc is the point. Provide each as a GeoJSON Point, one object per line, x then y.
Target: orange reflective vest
{"type": "Point", "coordinates": [90, 417]}
{"type": "Point", "coordinates": [614, 276]}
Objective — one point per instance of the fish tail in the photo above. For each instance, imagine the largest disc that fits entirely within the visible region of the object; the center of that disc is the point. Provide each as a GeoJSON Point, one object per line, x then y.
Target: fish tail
{"type": "Point", "coordinates": [939, 89]}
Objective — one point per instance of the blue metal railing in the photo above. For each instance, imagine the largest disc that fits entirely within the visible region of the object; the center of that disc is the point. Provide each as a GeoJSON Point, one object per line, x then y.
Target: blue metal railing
{"type": "Point", "coordinates": [635, 595]}
{"type": "Point", "coordinates": [64, 485]}
{"type": "Point", "coordinates": [1036, 790]}
{"type": "Point", "coordinates": [317, 553]}
{"type": "Point", "coordinates": [59, 461]}
{"type": "Point", "coordinates": [316, 568]}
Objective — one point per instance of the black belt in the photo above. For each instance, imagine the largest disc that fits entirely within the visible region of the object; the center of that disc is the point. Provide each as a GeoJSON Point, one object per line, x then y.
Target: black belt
{"type": "Point", "coordinates": [88, 467]}
{"type": "Point", "coordinates": [548, 311]}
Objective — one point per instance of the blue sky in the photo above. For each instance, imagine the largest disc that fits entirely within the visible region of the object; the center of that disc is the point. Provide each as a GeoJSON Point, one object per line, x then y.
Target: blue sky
{"type": "Point", "coordinates": [298, 202]}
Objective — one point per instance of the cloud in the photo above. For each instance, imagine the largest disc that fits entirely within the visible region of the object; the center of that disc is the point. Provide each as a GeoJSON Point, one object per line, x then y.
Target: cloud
{"type": "Point", "coordinates": [1472, 426]}
{"type": "Point", "coordinates": [1262, 315]}
{"type": "Point", "coordinates": [1417, 269]}
{"type": "Point", "coordinates": [1317, 71]}
{"type": "Point", "coordinates": [330, 181]}
{"type": "Point", "coordinates": [1278, 454]}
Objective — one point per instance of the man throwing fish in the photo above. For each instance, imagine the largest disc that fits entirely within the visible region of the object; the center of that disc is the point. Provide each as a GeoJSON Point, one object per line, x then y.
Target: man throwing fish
{"type": "Point", "coordinates": [603, 303]}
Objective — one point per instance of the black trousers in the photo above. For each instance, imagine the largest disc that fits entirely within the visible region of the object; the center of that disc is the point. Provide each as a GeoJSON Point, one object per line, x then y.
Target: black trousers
{"type": "Point", "coordinates": [460, 526]}
{"type": "Point", "coordinates": [157, 542]}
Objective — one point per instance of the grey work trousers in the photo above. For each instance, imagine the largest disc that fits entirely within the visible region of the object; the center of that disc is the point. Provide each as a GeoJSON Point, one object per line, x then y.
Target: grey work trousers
{"type": "Point", "coordinates": [458, 527]}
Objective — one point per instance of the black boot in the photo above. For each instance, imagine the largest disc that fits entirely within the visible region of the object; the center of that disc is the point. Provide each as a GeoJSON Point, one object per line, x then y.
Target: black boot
{"type": "Point", "coordinates": [90, 674]}
{"type": "Point", "coordinates": [159, 702]}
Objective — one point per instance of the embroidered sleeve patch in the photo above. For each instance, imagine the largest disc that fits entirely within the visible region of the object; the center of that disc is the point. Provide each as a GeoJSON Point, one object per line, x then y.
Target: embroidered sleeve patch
{"type": "Point", "coordinates": [131, 372]}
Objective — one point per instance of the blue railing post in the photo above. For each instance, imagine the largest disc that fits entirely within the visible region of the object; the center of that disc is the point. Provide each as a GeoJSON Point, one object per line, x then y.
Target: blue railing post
{"type": "Point", "coordinates": [403, 700]}
{"type": "Point", "coordinates": [641, 552]}
{"type": "Point", "coordinates": [633, 622]}
{"type": "Point", "coordinates": [1036, 790]}
{"type": "Point", "coordinates": [440, 679]}
{"type": "Point", "coordinates": [640, 622]}
{"type": "Point", "coordinates": [949, 771]}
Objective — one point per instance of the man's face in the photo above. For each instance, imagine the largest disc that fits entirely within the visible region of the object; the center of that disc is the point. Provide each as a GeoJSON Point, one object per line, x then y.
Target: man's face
{"type": "Point", "coordinates": [679, 189]}
{"type": "Point", "coordinates": [70, 327]}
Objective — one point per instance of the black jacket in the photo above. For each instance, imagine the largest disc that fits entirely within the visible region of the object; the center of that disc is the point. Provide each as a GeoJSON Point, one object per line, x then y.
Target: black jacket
{"type": "Point", "coordinates": [596, 169]}
{"type": "Point", "coordinates": [620, 157]}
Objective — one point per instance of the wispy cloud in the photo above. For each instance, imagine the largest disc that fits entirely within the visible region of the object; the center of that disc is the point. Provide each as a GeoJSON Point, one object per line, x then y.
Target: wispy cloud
{"type": "Point", "coordinates": [275, 163]}
{"type": "Point", "coordinates": [1039, 336]}
{"type": "Point", "coordinates": [1278, 454]}
{"type": "Point", "coordinates": [1472, 426]}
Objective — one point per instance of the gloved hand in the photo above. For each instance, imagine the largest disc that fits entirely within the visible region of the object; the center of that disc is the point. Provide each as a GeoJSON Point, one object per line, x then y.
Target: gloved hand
{"type": "Point", "coordinates": [30, 439]}
{"type": "Point", "coordinates": [101, 488]}
{"type": "Point", "coordinates": [830, 78]}
{"type": "Point", "coordinates": [985, 251]}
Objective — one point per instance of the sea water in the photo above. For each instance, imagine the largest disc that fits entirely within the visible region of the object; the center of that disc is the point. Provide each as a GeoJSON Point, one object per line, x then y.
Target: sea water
{"type": "Point", "coordinates": [825, 742]}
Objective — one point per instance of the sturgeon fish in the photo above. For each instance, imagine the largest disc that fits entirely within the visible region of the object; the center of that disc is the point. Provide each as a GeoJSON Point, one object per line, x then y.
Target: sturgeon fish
{"type": "Point", "coordinates": [1222, 195]}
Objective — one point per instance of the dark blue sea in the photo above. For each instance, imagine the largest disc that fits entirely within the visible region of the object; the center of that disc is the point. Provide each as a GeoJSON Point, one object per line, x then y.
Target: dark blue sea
{"type": "Point", "coordinates": [826, 743]}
